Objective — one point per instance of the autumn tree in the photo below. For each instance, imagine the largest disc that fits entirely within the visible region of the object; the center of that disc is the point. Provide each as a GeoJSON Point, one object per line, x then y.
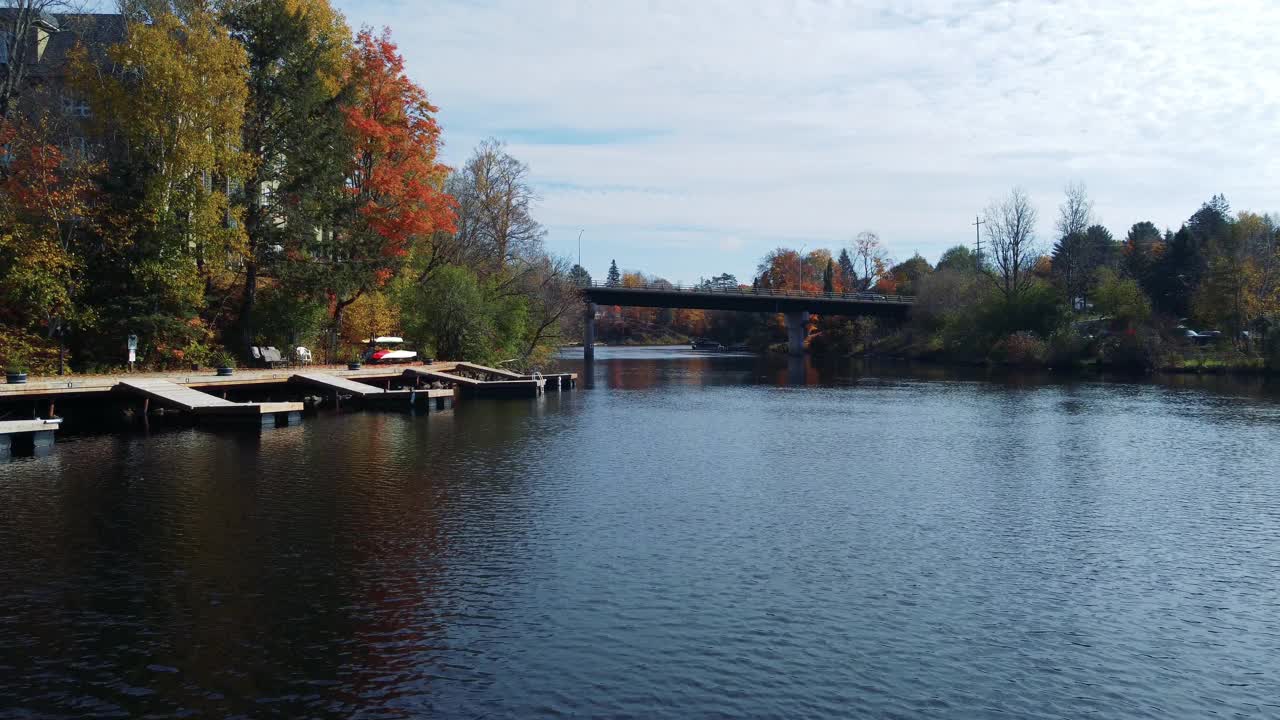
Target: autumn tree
{"type": "Point", "coordinates": [1241, 283]}
{"type": "Point", "coordinates": [908, 274]}
{"type": "Point", "coordinates": [495, 201]}
{"type": "Point", "coordinates": [870, 260]}
{"type": "Point", "coordinates": [44, 218]}
{"type": "Point", "coordinates": [168, 105]}
{"type": "Point", "coordinates": [394, 182]}
{"type": "Point", "coordinates": [1075, 214]}
{"type": "Point", "coordinates": [780, 269]}
{"type": "Point", "coordinates": [1010, 226]}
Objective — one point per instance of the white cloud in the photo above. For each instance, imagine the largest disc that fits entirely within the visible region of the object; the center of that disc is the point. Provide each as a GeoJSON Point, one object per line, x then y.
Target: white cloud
{"type": "Point", "coordinates": [803, 122]}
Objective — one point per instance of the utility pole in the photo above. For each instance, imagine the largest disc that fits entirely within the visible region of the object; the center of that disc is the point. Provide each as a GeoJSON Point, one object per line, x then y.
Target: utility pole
{"type": "Point", "coordinates": [977, 238]}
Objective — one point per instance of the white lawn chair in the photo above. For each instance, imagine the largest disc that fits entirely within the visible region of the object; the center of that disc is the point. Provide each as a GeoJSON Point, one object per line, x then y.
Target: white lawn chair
{"type": "Point", "coordinates": [303, 355]}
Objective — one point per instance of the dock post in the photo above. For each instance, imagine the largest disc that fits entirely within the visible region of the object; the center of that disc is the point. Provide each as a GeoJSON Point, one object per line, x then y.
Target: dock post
{"type": "Point", "coordinates": [6, 445]}
{"type": "Point", "coordinates": [797, 328]}
{"type": "Point", "coordinates": [589, 332]}
{"type": "Point", "coordinates": [41, 441]}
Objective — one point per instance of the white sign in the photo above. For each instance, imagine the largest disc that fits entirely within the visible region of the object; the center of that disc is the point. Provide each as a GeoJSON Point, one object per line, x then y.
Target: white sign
{"type": "Point", "coordinates": [133, 344]}
{"type": "Point", "coordinates": [133, 356]}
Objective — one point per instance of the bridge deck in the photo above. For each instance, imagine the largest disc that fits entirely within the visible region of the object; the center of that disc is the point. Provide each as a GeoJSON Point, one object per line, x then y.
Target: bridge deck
{"type": "Point", "coordinates": [751, 300]}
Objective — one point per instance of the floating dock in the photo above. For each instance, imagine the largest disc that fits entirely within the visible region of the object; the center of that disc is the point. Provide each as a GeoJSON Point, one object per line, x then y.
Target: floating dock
{"type": "Point", "coordinates": [339, 386]}
{"type": "Point", "coordinates": [203, 395]}
{"type": "Point", "coordinates": [204, 405]}
{"type": "Point", "coordinates": [495, 383]}
{"type": "Point", "coordinates": [553, 381]}
{"type": "Point", "coordinates": [37, 435]}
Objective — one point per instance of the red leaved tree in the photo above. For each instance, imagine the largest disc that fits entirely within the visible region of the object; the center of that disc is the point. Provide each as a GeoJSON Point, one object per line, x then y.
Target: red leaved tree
{"type": "Point", "coordinates": [394, 185]}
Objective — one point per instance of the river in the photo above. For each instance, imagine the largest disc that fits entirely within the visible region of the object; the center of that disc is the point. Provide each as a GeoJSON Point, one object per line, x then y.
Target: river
{"type": "Point", "coordinates": [694, 536]}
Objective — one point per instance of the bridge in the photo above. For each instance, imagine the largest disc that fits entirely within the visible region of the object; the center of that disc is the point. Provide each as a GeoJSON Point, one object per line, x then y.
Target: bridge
{"type": "Point", "coordinates": [795, 304]}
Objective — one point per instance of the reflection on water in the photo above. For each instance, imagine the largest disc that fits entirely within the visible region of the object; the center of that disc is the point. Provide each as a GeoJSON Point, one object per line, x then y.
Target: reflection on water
{"type": "Point", "coordinates": [701, 534]}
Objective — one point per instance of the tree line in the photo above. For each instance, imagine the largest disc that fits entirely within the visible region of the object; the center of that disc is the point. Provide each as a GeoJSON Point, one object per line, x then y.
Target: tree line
{"type": "Point", "coordinates": [1207, 293]}
{"type": "Point", "coordinates": [212, 175]}
{"type": "Point", "coordinates": [1204, 295]}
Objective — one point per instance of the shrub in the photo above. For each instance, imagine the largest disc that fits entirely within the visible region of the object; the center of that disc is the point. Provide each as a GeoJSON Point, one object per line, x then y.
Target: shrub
{"type": "Point", "coordinates": [222, 358]}
{"type": "Point", "coordinates": [1271, 349]}
{"type": "Point", "coordinates": [837, 337]}
{"type": "Point", "coordinates": [1066, 349]}
{"type": "Point", "coordinates": [22, 351]}
{"type": "Point", "coordinates": [1020, 349]}
{"type": "Point", "coordinates": [1136, 351]}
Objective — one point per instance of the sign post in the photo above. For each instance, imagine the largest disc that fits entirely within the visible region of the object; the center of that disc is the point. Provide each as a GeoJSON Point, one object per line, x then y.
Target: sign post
{"type": "Point", "coordinates": [133, 351]}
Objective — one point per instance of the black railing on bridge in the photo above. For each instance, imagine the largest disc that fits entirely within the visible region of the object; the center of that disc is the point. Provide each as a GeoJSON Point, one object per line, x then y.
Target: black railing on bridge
{"type": "Point", "coordinates": [863, 296]}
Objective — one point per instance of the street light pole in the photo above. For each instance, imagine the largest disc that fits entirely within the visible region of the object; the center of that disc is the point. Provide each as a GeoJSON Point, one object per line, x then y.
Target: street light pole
{"type": "Point", "coordinates": [800, 265]}
{"type": "Point", "coordinates": [580, 247]}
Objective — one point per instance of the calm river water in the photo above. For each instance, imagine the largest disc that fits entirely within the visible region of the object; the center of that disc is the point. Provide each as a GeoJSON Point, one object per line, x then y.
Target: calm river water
{"type": "Point", "coordinates": [693, 537]}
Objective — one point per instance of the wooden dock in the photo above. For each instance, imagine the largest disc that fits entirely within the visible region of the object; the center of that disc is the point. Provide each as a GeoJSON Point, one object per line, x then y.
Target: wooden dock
{"type": "Point", "coordinates": [554, 381]}
{"type": "Point", "coordinates": [363, 392]}
{"type": "Point", "coordinates": [37, 434]}
{"type": "Point", "coordinates": [202, 394]}
{"type": "Point", "coordinates": [472, 387]}
{"type": "Point", "coordinates": [202, 404]}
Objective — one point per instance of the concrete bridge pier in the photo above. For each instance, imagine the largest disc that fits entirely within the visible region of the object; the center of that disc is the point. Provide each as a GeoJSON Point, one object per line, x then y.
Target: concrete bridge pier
{"type": "Point", "coordinates": [797, 330]}
{"type": "Point", "coordinates": [589, 333]}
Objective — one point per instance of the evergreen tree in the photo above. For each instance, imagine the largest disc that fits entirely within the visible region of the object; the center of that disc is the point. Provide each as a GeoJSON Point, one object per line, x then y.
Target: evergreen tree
{"type": "Point", "coordinates": [847, 274]}
{"type": "Point", "coordinates": [828, 277]}
{"type": "Point", "coordinates": [579, 276]}
{"type": "Point", "coordinates": [615, 278]}
{"type": "Point", "coordinates": [293, 129]}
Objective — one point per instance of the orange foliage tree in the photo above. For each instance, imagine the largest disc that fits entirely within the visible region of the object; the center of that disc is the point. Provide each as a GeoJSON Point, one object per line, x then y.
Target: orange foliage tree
{"type": "Point", "coordinates": [45, 202]}
{"type": "Point", "coordinates": [394, 182]}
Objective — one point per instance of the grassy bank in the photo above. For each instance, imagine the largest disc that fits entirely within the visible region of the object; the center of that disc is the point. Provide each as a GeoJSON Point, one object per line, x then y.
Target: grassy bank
{"type": "Point", "coordinates": [1062, 352]}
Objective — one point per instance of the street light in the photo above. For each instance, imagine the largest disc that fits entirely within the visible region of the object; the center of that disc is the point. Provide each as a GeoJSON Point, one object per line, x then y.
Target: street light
{"type": "Point", "coordinates": [800, 265]}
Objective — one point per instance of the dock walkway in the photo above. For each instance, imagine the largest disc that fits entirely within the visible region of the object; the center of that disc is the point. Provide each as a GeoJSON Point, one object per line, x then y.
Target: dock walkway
{"type": "Point", "coordinates": [38, 434]}
{"type": "Point", "coordinates": [523, 387]}
{"type": "Point", "coordinates": [203, 404]}
{"type": "Point", "coordinates": [364, 392]}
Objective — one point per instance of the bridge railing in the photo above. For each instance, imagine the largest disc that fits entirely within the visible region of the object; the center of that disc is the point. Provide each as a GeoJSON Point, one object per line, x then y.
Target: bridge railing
{"type": "Point", "coordinates": [862, 296]}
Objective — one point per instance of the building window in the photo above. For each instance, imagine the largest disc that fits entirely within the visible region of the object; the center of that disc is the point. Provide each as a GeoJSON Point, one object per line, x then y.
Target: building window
{"type": "Point", "coordinates": [75, 106]}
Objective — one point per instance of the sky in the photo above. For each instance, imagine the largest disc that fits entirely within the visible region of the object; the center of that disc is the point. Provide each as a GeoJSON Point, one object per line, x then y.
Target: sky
{"type": "Point", "coordinates": [686, 139]}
